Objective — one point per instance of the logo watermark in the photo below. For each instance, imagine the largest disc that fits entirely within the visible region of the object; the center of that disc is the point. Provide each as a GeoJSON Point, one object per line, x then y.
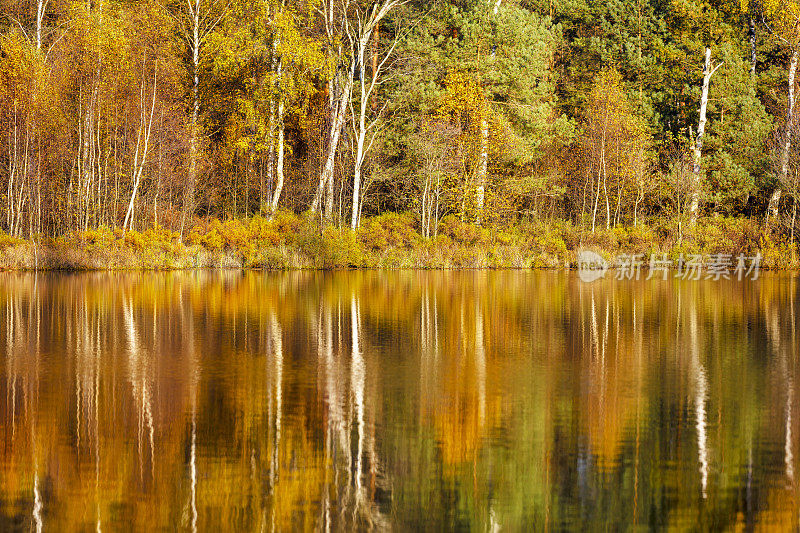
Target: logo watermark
{"type": "Point", "coordinates": [592, 266]}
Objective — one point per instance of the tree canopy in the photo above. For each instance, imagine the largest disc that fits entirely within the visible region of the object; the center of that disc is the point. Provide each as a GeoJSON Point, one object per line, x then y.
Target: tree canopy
{"type": "Point", "coordinates": [162, 112]}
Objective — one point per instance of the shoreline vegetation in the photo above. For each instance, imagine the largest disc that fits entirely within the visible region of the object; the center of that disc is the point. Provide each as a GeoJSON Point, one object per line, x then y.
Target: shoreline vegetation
{"type": "Point", "coordinates": [444, 134]}
{"type": "Point", "coordinates": [389, 241]}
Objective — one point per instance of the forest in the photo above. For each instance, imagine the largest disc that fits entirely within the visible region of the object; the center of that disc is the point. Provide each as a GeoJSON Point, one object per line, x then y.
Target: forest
{"type": "Point", "coordinates": [531, 124]}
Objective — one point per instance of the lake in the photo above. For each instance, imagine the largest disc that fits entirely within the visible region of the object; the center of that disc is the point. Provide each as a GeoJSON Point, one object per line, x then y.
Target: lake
{"type": "Point", "coordinates": [397, 400]}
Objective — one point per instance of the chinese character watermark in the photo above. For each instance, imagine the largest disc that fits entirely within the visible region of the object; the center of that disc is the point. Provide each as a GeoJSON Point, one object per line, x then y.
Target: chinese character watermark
{"type": "Point", "coordinates": [592, 266]}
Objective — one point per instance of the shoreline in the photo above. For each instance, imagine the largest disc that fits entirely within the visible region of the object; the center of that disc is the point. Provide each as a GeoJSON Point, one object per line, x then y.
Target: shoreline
{"type": "Point", "coordinates": [390, 242]}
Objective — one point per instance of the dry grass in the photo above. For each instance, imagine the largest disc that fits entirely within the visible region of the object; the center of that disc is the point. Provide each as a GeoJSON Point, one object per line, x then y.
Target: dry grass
{"type": "Point", "coordinates": [389, 241]}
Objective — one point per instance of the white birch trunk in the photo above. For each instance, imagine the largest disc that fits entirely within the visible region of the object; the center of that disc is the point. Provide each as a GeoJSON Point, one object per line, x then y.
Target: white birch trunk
{"type": "Point", "coordinates": [338, 116]}
{"type": "Point", "coordinates": [280, 142]}
{"type": "Point", "coordinates": [41, 8]}
{"type": "Point", "coordinates": [271, 129]}
{"type": "Point", "coordinates": [753, 56]}
{"type": "Point", "coordinates": [138, 165]}
{"type": "Point", "coordinates": [361, 133]}
{"type": "Point", "coordinates": [483, 161]}
{"type": "Point", "coordinates": [694, 200]}
{"type": "Point", "coordinates": [362, 126]}
{"type": "Point", "coordinates": [772, 208]}
{"type": "Point", "coordinates": [483, 164]}
{"type": "Point", "coordinates": [359, 36]}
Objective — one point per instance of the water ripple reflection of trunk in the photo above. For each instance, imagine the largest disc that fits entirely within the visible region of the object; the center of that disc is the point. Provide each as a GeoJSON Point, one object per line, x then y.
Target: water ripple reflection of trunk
{"type": "Point", "coordinates": [701, 387]}
{"type": "Point", "coordinates": [527, 401]}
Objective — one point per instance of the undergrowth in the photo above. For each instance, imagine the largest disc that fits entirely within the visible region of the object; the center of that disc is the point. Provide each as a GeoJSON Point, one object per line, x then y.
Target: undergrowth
{"type": "Point", "coordinates": [391, 240]}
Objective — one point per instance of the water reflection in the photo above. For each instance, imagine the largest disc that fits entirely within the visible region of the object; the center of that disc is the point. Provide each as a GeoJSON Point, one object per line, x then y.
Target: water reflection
{"type": "Point", "coordinates": [339, 401]}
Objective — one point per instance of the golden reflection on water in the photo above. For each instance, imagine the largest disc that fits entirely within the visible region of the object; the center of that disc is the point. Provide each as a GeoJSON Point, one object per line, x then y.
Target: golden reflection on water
{"type": "Point", "coordinates": [438, 400]}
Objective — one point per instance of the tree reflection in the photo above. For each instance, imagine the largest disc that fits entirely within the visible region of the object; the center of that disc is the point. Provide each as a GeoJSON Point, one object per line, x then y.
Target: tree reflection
{"type": "Point", "coordinates": [368, 400]}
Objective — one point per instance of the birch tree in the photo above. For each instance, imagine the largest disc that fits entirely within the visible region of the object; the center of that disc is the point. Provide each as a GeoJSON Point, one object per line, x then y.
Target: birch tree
{"type": "Point", "coordinates": [196, 20]}
{"type": "Point", "coordinates": [483, 161]}
{"type": "Point", "coordinates": [434, 158]}
{"type": "Point", "coordinates": [694, 199]}
{"type": "Point", "coordinates": [267, 59]}
{"type": "Point", "coordinates": [616, 142]}
{"type": "Point", "coordinates": [495, 85]}
{"type": "Point", "coordinates": [142, 146]}
{"type": "Point", "coordinates": [41, 9]}
{"type": "Point", "coordinates": [782, 20]}
{"type": "Point", "coordinates": [22, 73]}
{"type": "Point", "coordinates": [357, 25]}
{"type": "Point", "coordinates": [297, 61]}
{"type": "Point", "coordinates": [365, 130]}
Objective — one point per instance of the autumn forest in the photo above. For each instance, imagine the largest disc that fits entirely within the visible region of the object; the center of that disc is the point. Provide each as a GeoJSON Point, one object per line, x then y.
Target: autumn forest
{"type": "Point", "coordinates": [447, 117]}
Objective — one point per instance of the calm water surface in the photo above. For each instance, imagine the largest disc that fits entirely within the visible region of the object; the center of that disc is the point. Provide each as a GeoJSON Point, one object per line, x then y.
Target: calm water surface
{"type": "Point", "coordinates": [397, 400]}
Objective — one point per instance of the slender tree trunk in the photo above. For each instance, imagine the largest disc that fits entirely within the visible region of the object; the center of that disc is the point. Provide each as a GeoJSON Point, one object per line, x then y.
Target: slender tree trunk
{"type": "Point", "coordinates": [794, 217]}
{"type": "Point", "coordinates": [483, 164]}
{"type": "Point", "coordinates": [338, 114]}
{"type": "Point", "coordinates": [360, 124]}
{"type": "Point", "coordinates": [752, 34]}
{"type": "Point", "coordinates": [139, 163]}
{"type": "Point", "coordinates": [339, 106]}
{"type": "Point", "coordinates": [357, 186]}
{"type": "Point", "coordinates": [329, 196]}
{"type": "Point", "coordinates": [376, 41]}
{"type": "Point", "coordinates": [271, 129]}
{"type": "Point", "coordinates": [596, 197]}
{"type": "Point", "coordinates": [772, 208]}
{"type": "Point", "coordinates": [194, 45]}
{"type": "Point", "coordinates": [483, 161]}
{"type": "Point", "coordinates": [279, 165]}
{"type": "Point", "coordinates": [437, 196]}
{"type": "Point", "coordinates": [694, 201]}
{"type": "Point", "coordinates": [86, 164]}
{"type": "Point", "coordinates": [12, 174]}
{"type": "Point", "coordinates": [600, 169]}
{"type": "Point", "coordinates": [41, 9]}
{"type": "Point", "coordinates": [361, 134]}
{"type": "Point", "coordinates": [605, 189]}
{"type": "Point", "coordinates": [425, 212]}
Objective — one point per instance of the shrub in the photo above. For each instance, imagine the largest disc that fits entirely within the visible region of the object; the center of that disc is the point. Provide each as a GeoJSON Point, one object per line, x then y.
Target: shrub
{"type": "Point", "coordinates": [504, 237]}
{"type": "Point", "coordinates": [263, 233]}
{"type": "Point", "coordinates": [394, 230]}
{"type": "Point", "coordinates": [135, 240]}
{"type": "Point", "coordinates": [601, 238]}
{"type": "Point", "coordinates": [285, 224]}
{"type": "Point", "coordinates": [100, 238]}
{"type": "Point", "coordinates": [212, 240]}
{"type": "Point", "coordinates": [463, 232]}
{"type": "Point", "coordinates": [467, 257]}
{"type": "Point", "coordinates": [208, 236]}
{"type": "Point", "coordinates": [236, 236]}
{"type": "Point", "coordinates": [778, 253]}
{"type": "Point", "coordinates": [328, 247]}
{"type": "Point", "coordinates": [162, 239]}
{"type": "Point", "coordinates": [635, 239]}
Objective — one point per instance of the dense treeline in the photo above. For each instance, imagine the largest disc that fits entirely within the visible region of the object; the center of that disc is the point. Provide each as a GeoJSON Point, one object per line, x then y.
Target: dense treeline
{"type": "Point", "coordinates": [137, 114]}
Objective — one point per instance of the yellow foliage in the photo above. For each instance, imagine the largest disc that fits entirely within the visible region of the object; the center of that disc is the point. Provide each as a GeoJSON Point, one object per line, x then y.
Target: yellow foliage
{"type": "Point", "coordinates": [212, 240]}
{"type": "Point", "coordinates": [7, 240]}
{"type": "Point", "coordinates": [463, 232]}
{"type": "Point", "coordinates": [389, 230]}
{"type": "Point", "coordinates": [784, 18]}
{"type": "Point", "coordinates": [135, 240]}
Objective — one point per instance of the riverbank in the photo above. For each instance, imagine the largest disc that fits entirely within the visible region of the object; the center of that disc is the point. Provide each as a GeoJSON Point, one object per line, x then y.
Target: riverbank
{"type": "Point", "coordinates": [289, 241]}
